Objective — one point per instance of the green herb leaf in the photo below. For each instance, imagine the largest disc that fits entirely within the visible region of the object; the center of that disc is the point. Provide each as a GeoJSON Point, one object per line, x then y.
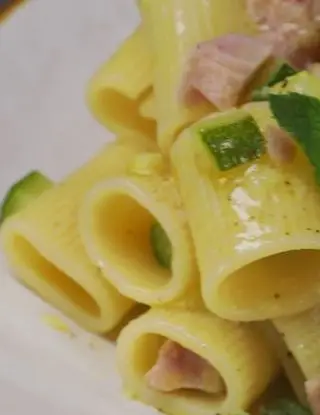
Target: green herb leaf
{"type": "Point", "coordinates": [285, 407]}
{"type": "Point", "coordinates": [283, 71]}
{"type": "Point", "coordinates": [299, 115]}
{"type": "Point", "coordinates": [161, 245]}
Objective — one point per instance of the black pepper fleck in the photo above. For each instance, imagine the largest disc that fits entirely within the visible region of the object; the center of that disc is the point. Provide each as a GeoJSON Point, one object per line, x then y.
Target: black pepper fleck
{"type": "Point", "coordinates": [288, 233]}
{"type": "Point", "coordinates": [287, 183]}
{"type": "Point", "coordinates": [276, 296]}
{"type": "Point", "coordinates": [289, 354]}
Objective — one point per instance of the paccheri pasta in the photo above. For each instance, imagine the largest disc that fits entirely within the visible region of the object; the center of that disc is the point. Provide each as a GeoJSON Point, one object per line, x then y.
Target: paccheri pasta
{"type": "Point", "coordinates": [116, 221]}
{"type": "Point", "coordinates": [44, 250]}
{"type": "Point", "coordinates": [206, 209]}
{"type": "Point", "coordinates": [174, 27]}
{"type": "Point", "coordinates": [117, 93]}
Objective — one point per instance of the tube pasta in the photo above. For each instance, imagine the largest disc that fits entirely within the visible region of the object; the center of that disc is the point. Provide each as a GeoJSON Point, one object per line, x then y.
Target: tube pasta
{"type": "Point", "coordinates": [241, 357]}
{"type": "Point", "coordinates": [147, 108]}
{"type": "Point", "coordinates": [291, 368]}
{"type": "Point", "coordinates": [44, 250]}
{"type": "Point", "coordinates": [301, 334]}
{"type": "Point", "coordinates": [174, 27]}
{"type": "Point", "coordinates": [120, 87]}
{"type": "Point", "coordinates": [256, 231]}
{"type": "Point", "coordinates": [115, 223]}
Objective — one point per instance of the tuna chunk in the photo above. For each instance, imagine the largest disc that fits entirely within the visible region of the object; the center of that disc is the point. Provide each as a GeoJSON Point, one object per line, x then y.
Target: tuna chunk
{"type": "Point", "coordinates": [280, 145]}
{"type": "Point", "coordinates": [179, 368]}
{"type": "Point", "coordinates": [218, 70]}
{"type": "Point", "coordinates": [291, 26]}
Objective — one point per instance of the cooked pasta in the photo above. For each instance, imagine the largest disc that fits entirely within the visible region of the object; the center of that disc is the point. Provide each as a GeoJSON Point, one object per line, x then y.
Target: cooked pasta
{"type": "Point", "coordinates": [197, 233]}
{"type": "Point", "coordinates": [241, 358]}
{"type": "Point", "coordinates": [44, 250]}
{"type": "Point", "coordinates": [290, 367]}
{"type": "Point", "coordinates": [173, 28]}
{"type": "Point", "coordinates": [147, 107]}
{"type": "Point", "coordinates": [120, 87]}
{"type": "Point", "coordinates": [116, 220]}
{"type": "Point", "coordinates": [262, 260]}
{"type": "Point", "coordinates": [301, 333]}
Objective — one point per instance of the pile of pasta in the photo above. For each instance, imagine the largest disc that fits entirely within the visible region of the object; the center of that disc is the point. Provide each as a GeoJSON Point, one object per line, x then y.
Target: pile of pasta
{"type": "Point", "coordinates": [240, 286]}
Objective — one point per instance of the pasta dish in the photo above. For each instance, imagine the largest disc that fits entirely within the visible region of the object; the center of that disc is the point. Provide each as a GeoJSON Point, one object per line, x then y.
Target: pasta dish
{"type": "Point", "coordinates": [205, 208]}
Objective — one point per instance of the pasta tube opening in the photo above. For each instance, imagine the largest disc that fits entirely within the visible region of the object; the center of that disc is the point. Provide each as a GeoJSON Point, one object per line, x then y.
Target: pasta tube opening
{"type": "Point", "coordinates": [64, 285]}
{"type": "Point", "coordinates": [120, 113]}
{"type": "Point", "coordinates": [73, 286]}
{"type": "Point", "coordinates": [117, 92]}
{"type": "Point", "coordinates": [276, 280]}
{"type": "Point", "coordinates": [184, 362]}
{"type": "Point", "coordinates": [255, 225]}
{"type": "Point", "coordinates": [173, 369]}
{"type": "Point", "coordinates": [50, 225]}
{"type": "Point", "coordinates": [122, 228]}
{"type": "Point", "coordinates": [117, 223]}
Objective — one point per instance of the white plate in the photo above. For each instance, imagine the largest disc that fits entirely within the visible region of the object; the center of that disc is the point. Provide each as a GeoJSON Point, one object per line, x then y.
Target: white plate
{"type": "Point", "coordinates": [48, 51]}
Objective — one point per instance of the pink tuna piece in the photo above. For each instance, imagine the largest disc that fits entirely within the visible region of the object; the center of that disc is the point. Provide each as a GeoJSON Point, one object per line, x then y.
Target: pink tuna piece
{"type": "Point", "coordinates": [219, 69]}
{"type": "Point", "coordinates": [291, 26]}
{"type": "Point", "coordinates": [280, 145]}
{"type": "Point", "coordinates": [179, 368]}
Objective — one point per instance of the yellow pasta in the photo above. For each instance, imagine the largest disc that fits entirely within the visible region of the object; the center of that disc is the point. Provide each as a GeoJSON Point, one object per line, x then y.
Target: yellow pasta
{"type": "Point", "coordinates": [44, 250]}
{"type": "Point", "coordinates": [290, 366]}
{"type": "Point", "coordinates": [119, 88]}
{"type": "Point", "coordinates": [237, 352]}
{"type": "Point", "coordinates": [301, 334]}
{"type": "Point", "coordinates": [147, 108]}
{"type": "Point", "coordinates": [173, 28]}
{"type": "Point", "coordinates": [256, 230]}
{"type": "Point", "coordinates": [115, 224]}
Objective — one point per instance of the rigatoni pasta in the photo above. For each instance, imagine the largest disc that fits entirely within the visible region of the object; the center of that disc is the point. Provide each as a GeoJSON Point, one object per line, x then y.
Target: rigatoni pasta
{"type": "Point", "coordinates": [262, 260]}
{"type": "Point", "coordinates": [290, 366]}
{"type": "Point", "coordinates": [301, 333]}
{"type": "Point", "coordinates": [173, 28]}
{"type": "Point", "coordinates": [206, 209]}
{"type": "Point", "coordinates": [242, 359]}
{"type": "Point", "coordinates": [147, 107]}
{"type": "Point", "coordinates": [117, 91]}
{"type": "Point", "coordinates": [44, 250]}
{"type": "Point", "coordinates": [116, 221]}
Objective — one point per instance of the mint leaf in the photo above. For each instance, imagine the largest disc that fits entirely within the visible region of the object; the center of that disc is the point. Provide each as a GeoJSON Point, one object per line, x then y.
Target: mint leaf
{"type": "Point", "coordinates": [285, 407]}
{"type": "Point", "coordinates": [299, 115]}
{"type": "Point", "coordinates": [282, 71]}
